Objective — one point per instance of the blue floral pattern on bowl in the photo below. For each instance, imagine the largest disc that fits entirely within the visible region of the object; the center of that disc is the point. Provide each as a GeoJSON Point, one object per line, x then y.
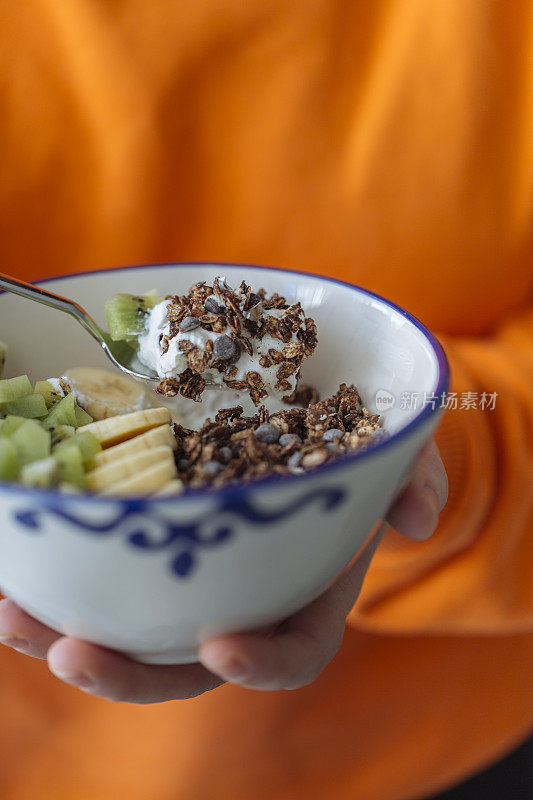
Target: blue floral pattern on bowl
{"type": "Point", "coordinates": [142, 527]}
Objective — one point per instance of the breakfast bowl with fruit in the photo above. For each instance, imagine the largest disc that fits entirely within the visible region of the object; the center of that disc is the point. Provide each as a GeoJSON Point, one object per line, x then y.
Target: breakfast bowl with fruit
{"type": "Point", "coordinates": [229, 487]}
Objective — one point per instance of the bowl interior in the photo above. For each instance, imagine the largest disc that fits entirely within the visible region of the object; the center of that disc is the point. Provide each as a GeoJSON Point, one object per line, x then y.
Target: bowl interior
{"type": "Point", "coordinates": [362, 339]}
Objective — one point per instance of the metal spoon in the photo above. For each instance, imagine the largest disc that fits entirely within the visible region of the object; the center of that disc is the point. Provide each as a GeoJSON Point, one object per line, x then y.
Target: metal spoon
{"type": "Point", "coordinates": [118, 352]}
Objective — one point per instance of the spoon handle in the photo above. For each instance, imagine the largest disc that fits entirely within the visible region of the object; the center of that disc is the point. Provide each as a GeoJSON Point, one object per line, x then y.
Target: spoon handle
{"type": "Point", "coordinates": [31, 292]}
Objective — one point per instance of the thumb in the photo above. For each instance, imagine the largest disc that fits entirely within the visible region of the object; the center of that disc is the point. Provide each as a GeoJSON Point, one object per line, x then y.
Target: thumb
{"type": "Point", "coordinates": [415, 513]}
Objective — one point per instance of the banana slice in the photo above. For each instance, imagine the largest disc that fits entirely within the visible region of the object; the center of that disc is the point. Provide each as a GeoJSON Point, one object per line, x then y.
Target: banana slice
{"type": "Point", "coordinates": [175, 486]}
{"type": "Point", "coordinates": [148, 481]}
{"type": "Point", "coordinates": [104, 393]}
{"type": "Point", "coordinates": [116, 471]}
{"type": "Point", "coordinates": [153, 438]}
{"type": "Point", "coordinates": [114, 430]}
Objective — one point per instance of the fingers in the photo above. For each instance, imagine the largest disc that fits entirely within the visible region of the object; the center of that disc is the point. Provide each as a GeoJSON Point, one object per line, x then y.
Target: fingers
{"type": "Point", "coordinates": [286, 661]}
{"type": "Point", "coordinates": [295, 654]}
{"type": "Point", "coordinates": [416, 512]}
{"type": "Point", "coordinates": [97, 670]}
{"type": "Point", "coordinates": [23, 633]}
{"type": "Point", "coordinates": [115, 677]}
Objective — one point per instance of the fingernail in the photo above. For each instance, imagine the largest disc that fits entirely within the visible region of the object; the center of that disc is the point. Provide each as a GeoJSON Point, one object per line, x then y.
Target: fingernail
{"type": "Point", "coordinates": [235, 669]}
{"type": "Point", "coordinates": [80, 680]}
{"type": "Point", "coordinates": [17, 643]}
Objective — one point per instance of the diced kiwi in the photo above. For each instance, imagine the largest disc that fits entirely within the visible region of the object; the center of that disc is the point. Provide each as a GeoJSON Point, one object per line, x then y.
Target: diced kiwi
{"type": "Point", "coordinates": [87, 444]}
{"type": "Point", "coordinates": [126, 315]}
{"type": "Point", "coordinates": [70, 466]}
{"type": "Point", "coordinates": [3, 354]}
{"type": "Point", "coordinates": [40, 473]}
{"type": "Point", "coordinates": [31, 442]}
{"type": "Point", "coordinates": [9, 463]}
{"type": "Point", "coordinates": [13, 388]}
{"type": "Point", "coordinates": [82, 417]}
{"type": "Point", "coordinates": [50, 394]}
{"type": "Point", "coordinates": [61, 433]}
{"type": "Point", "coordinates": [62, 413]}
{"type": "Point", "coordinates": [11, 423]}
{"type": "Point", "coordinates": [30, 406]}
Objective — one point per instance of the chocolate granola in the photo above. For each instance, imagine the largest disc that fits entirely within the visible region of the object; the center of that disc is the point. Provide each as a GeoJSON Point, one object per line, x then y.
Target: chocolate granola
{"type": "Point", "coordinates": [237, 448]}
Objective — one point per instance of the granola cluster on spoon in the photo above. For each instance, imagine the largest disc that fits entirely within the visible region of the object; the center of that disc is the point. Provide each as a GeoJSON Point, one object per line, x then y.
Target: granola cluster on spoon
{"type": "Point", "coordinates": [229, 338]}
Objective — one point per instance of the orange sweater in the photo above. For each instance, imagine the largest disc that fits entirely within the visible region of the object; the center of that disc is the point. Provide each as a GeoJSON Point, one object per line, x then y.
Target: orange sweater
{"type": "Point", "coordinates": [384, 142]}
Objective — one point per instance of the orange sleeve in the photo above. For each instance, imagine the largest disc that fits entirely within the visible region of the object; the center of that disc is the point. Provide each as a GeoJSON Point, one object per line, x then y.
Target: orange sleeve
{"type": "Point", "coordinates": [475, 575]}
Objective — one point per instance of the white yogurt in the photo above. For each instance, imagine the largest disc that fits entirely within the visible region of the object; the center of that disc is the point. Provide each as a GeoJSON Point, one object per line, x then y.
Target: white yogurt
{"type": "Point", "coordinates": [193, 415]}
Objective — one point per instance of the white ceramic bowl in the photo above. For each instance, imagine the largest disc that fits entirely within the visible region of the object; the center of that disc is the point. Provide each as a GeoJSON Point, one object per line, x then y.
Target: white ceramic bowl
{"type": "Point", "coordinates": [153, 577]}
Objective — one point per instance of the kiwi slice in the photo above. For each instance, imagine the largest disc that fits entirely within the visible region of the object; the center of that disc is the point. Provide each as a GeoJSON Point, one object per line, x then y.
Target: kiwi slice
{"type": "Point", "coordinates": [3, 354]}
{"type": "Point", "coordinates": [62, 413]}
{"type": "Point", "coordinates": [31, 442]}
{"type": "Point", "coordinates": [13, 388]}
{"type": "Point", "coordinates": [126, 315]}
{"type": "Point", "coordinates": [87, 444]}
{"type": "Point", "coordinates": [11, 423]}
{"type": "Point", "coordinates": [154, 297]}
{"type": "Point", "coordinates": [40, 473]}
{"type": "Point", "coordinates": [9, 463]}
{"type": "Point", "coordinates": [50, 394]}
{"type": "Point", "coordinates": [61, 433]}
{"type": "Point", "coordinates": [70, 466]}
{"type": "Point", "coordinates": [30, 406]}
{"type": "Point", "coordinates": [82, 417]}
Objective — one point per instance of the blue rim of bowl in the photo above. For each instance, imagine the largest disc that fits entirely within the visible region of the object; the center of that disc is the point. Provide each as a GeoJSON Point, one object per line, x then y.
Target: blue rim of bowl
{"type": "Point", "coordinates": [443, 382]}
